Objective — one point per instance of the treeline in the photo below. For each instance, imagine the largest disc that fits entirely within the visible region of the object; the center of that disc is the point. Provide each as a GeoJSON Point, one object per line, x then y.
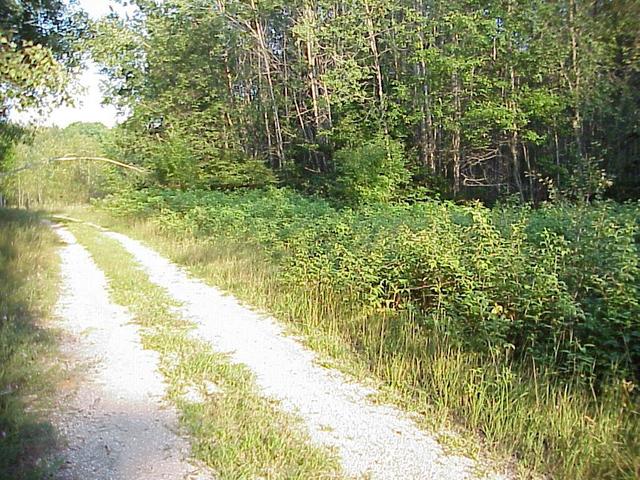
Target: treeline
{"type": "Point", "coordinates": [387, 98]}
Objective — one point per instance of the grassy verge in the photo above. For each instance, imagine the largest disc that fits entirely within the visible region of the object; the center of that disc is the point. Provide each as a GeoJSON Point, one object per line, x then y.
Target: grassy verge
{"type": "Point", "coordinates": [235, 431]}
{"type": "Point", "coordinates": [549, 426]}
{"type": "Point", "coordinates": [29, 367]}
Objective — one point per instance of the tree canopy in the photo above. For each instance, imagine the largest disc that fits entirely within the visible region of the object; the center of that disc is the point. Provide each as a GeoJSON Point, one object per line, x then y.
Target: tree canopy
{"type": "Point", "coordinates": [38, 46]}
{"type": "Point", "coordinates": [484, 99]}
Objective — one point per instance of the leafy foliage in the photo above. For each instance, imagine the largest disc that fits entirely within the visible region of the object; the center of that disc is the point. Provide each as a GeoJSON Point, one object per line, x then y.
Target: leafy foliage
{"type": "Point", "coordinates": [38, 47]}
{"type": "Point", "coordinates": [472, 92]}
{"type": "Point", "coordinates": [371, 173]}
{"type": "Point", "coordinates": [28, 74]}
{"type": "Point", "coordinates": [41, 21]}
{"type": "Point", "coordinates": [557, 286]}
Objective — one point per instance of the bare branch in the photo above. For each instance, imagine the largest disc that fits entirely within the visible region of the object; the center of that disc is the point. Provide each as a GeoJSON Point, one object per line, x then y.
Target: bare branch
{"type": "Point", "coordinates": [71, 158]}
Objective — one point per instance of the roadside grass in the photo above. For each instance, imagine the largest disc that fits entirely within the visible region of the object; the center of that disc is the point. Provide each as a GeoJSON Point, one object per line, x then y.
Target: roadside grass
{"type": "Point", "coordinates": [236, 432]}
{"type": "Point", "coordinates": [535, 422]}
{"type": "Point", "coordinates": [29, 361]}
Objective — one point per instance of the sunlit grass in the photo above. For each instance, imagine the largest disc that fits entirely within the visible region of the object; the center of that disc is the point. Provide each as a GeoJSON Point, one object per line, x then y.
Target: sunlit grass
{"type": "Point", "coordinates": [235, 431]}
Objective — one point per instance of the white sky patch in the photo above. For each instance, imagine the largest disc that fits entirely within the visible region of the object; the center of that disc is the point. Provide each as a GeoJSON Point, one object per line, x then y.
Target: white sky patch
{"type": "Point", "coordinates": [88, 101]}
{"type": "Point", "coordinates": [100, 8]}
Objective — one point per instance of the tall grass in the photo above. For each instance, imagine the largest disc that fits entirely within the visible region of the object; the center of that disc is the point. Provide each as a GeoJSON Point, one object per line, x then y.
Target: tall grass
{"type": "Point", "coordinates": [488, 319]}
{"type": "Point", "coordinates": [28, 366]}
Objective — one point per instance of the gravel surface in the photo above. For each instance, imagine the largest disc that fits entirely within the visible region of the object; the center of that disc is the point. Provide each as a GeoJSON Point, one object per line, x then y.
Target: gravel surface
{"type": "Point", "coordinates": [373, 441]}
{"type": "Point", "coordinates": [114, 420]}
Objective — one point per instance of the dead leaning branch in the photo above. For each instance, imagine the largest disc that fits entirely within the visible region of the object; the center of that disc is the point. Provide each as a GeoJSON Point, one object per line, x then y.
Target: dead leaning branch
{"type": "Point", "coordinates": [72, 158]}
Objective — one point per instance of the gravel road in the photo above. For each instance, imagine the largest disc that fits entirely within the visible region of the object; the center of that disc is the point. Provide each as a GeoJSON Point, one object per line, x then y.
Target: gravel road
{"type": "Point", "coordinates": [114, 419]}
{"type": "Point", "coordinates": [373, 441]}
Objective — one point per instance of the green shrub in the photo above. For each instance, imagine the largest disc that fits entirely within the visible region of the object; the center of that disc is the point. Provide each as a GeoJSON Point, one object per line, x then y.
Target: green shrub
{"type": "Point", "coordinates": [520, 323]}
{"type": "Point", "coordinates": [174, 163]}
{"type": "Point", "coordinates": [557, 286]}
{"type": "Point", "coordinates": [372, 172]}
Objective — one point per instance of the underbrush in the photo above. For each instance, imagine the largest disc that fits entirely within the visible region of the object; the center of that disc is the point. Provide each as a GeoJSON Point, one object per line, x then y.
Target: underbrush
{"type": "Point", "coordinates": [522, 325]}
{"type": "Point", "coordinates": [28, 275]}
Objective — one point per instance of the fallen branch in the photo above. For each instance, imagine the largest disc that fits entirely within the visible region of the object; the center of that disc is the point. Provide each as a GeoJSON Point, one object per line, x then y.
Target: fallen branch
{"type": "Point", "coordinates": [71, 158]}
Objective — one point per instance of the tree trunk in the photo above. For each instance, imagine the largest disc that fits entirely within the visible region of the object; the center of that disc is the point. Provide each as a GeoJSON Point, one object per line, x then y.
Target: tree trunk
{"type": "Point", "coordinates": [377, 67]}
{"type": "Point", "coordinates": [426, 142]}
{"type": "Point", "coordinates": [313, 84]}
{"type": "Point", "coordinates": [266, 60]}
{"type": "Point", "coordinates": [576, 121]}
{"type": "Point", "coordinates": [514, 145]}
{"type": "Point", "coordinates": [456, 156]}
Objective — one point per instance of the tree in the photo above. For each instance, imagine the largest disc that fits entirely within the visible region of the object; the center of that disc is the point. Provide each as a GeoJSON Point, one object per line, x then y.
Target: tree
{"type": "Point", "coordinates": [37, 50]}
{"type": "Point", "coordinates": [472, 90]}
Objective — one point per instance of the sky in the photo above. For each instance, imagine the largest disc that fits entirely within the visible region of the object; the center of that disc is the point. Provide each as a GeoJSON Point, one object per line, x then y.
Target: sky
{"type": "Point", "coordinates": [88, 106]}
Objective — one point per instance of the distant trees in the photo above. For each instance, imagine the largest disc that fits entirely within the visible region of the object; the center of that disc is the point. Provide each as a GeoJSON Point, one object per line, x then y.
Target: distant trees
{"type": "Point", "coordinates": [35, 181]}
{"type": "Point", "coordinates": [485, 98]}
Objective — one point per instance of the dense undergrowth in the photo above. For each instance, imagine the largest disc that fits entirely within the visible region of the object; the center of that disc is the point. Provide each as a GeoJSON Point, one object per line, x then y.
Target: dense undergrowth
{"type": "Point", "coordinates": [522, 324]}
{"type": "Point", "coordinates": [28, 370]}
